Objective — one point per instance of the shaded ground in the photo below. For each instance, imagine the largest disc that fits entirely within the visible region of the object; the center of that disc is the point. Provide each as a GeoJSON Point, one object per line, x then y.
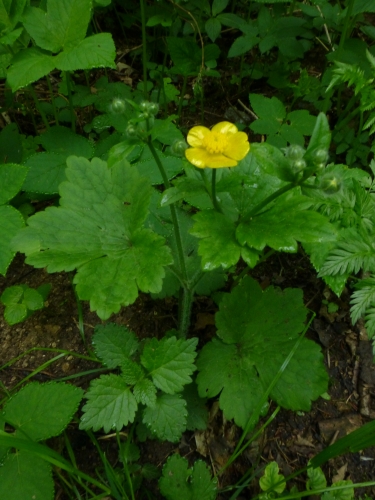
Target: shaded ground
{"type": "Point", "coordinates": [290, 440]}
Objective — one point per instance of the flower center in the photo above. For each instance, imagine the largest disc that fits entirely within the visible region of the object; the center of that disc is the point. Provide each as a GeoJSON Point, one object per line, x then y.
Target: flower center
{"type": "Point", "coordinates": [215, 142]}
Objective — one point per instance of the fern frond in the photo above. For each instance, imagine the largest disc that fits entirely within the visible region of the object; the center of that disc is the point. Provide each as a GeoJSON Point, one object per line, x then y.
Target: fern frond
{"type": "Point", "coordinates": [370, 322]}
{"type": "Point", "coordinates": [349, 257]}
{"type": "Point", "coordinates": [362, 298]}
{"type": "Point", "coordinates": [369, 122]}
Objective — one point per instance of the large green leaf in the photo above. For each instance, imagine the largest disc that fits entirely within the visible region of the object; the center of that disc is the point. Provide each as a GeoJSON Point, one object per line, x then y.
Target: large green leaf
{"type": "Point", "coordinates": [258, 330]}
{"type": "Point", "coordinates": [98, 229]}
{"type": "Point", "coordinates": [63, 26]}
{"type": "Point", "coordinates": [110, 404]}
{"type": "Point", "coordinates": [11, 221]}
{"type": "Point", "coordinates": [46, 173]}
{"type": "Point", "coordinates": [50, 407]}
{"type": "Point", "coordinates": [170, 362]}
{"type": "Point", "coordinates": [97, 51]}
{"type": "Point", "coordinates": [284, 224]}
{"type": "Point", "coordinates": [28, 66]}
{"type": "Point", "coordinates": [62, 140]}
{"type": "Point", "coordinates": [25, 475]}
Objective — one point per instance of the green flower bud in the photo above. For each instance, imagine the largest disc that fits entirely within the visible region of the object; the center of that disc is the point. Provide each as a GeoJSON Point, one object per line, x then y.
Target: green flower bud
{"type": "Point", "coordinates": [149, 108]}
{"type": "Point", "coordinates": [330, 185]}
{"type": "Point", "coordinates": [294, 152]}
{"type": "Point", "coordinates": [179, 147]}
{"type": "Point", "coordinates": [299, 165]}
{"type": "Point", "coordinates": [320, 156]}
{"type": "Point", "coordinates": [117, 105]}
{"type": "Point", "coordinates": [131, 131]}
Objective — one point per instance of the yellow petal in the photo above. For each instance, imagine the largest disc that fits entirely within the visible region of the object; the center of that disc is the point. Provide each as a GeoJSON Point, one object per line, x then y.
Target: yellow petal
{"type": "Point", "coordinates": [225, 128]}
{"type": "Point", "coordinates": [238, 146]}
{"type": "Point", "coordinates": [196, 135]}
{"type": "Point", "coordinates": [203, 159]}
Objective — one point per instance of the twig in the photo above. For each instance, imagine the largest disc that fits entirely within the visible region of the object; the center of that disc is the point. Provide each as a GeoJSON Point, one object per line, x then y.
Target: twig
{"type": "Point", "coordinates": [251, 113]}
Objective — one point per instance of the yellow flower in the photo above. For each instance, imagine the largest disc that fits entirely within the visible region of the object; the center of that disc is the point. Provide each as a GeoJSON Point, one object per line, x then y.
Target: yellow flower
{"type": "Point", "coordinates": [222, 146]}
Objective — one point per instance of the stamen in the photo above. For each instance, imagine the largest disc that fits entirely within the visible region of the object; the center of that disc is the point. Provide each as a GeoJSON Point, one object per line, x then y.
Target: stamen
{"type": "Point", "coordinates": [215, 142]}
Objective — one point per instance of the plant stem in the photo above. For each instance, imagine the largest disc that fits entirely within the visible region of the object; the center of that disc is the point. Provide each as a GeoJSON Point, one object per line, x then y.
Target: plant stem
{"type": "Point", "coordinates": [346, 25]}
{"type": "Point", "coordinates": [184, 310]}
{"type": "Point", "coordinates": [37, 105]}
{"type": "Point", "coordinates": [52, 99]}
{"type": "Point", "coordinates": [144, 49]}
{"type": "Point", "coordinates": [270, 198]}
{"type": "Point", "coordinates": [188, 293]}
{"type": "Point", "coordinates": [213, 192]}
{"type": "Point", "coordinates": [183, 92]}
{"type": "Point", "coordinates": [72, 112]}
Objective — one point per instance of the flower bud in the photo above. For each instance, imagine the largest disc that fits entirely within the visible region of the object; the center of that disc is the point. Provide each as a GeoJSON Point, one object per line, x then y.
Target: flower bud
{"type": "Point", "coordinates": [299, 165]}
{"type": "Point", "coordinates": [149, 108]}
{"type": "Point", "coordinates": [294, 152]}
{"type": "Point", "coordinates": [117, 105]}
{"type": "Point", "coordinates": [131, 131]}
{"type": "Point", "coordinates": [178, 148]}
{"type": "Point", "coordinates": [320, 156]}
{"type": "Point", "coordinates": [330, 185]}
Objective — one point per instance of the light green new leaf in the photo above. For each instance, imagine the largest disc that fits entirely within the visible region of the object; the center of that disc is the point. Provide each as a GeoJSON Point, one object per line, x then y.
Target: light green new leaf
{"type": "Point", "coordinates": [63, 26]}
{"type": "Point", "coordinates": [178, 482]}
{"type": "Point", "coordinates": [114, 344]}
{"type": "Point", "coordinates": [11, 221]}
{"type": "Point", "coordinates": [110, 404]}
{"type": "Point", "coordinates": [258, 330]}
{"type": "Point", "coordinates": [284, 224]}
{"type": "Point", "coordinates": [50, 407]}
{"type": "Point", "coordinates": [12, 177]}
{"type": "Point", "coordinates": [170, 362]}
{"type": "Point", "coordinates": [272, 480]}
{"type": "Point", "coordinates": [97, 229]}
{"type": "Point", "coordinates": [96, 51]}
{"type": "Point", "coordinates": [28, 66]}
{"type": "Point", "coordinates": [25, 475]}
{"type": "Point", "coordinates": [167, 418]}
{"type": "Point", "coordinates": [145, 392]}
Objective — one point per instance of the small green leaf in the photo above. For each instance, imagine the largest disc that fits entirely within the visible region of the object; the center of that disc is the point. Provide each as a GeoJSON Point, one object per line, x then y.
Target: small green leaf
{"type": "Point", "coordinates": [32, 299]}
{"type": "Point", "coordinates": [213, 28]}
{"type": "Point", "coordinates": [218, 6]}
{"type": "Point", "coordinates": [15, 313]}
{"type": "Point", "coordinates": [12, 177]}
{"type": "Point", "coordinates": [114, 344]}
{"type": "Point", "coordinates": [180, 483]}
{"type": "Point", "coordinates": [167, 418]}
{"type": "Point", "coordinates": [272, 480]}
{"type": "Point", "coordinates": [50, 407]}
{"type": "Point", "coordinates": [110, 404]}
{"type": "Point", "coordinates": [11, 221]}
{"type": "Point", "coordinates": [147, 167]}
{"type": "Point", "coordinates": [242, 44]}
{"type": "Point", "coordinates": [170, 362]}
{"type": "Point", "coordinates": [317, 479]}
{"type": "Point", "coordinates": [25, 475]}
{"type": "Point", "coordinates": [46, 173]}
